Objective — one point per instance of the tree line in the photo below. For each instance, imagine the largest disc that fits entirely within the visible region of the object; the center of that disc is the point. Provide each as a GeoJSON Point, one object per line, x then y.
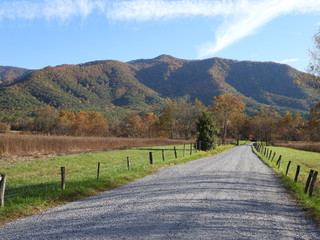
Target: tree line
{"type": "Point", "coordinates": [177, 120]}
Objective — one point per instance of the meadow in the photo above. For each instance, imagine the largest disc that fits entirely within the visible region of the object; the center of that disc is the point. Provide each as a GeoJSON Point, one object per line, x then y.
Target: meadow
{"type": "Point", "coordinates": [34, 185]}
{"type": "Point", "coordinates": [307, 161]}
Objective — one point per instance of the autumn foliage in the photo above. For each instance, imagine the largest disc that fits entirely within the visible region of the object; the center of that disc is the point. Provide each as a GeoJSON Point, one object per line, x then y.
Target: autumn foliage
{"type": "Point", "coordinates": [228, 110]}
{"type": "Point", "coordinates": [177, 120]}
{"type": "Point", "coordinates": [48, 120]}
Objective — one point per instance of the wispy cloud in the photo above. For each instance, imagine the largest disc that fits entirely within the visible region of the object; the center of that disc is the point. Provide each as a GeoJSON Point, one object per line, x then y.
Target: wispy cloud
{"type": "Point", "coordinates": [240, 18]}
{"type": "Point", "coordinates": [49, 9]}
{"type": "Point", "coordinates": [290, 60]}
{"type": "Point", "coordinates": [146, 10]}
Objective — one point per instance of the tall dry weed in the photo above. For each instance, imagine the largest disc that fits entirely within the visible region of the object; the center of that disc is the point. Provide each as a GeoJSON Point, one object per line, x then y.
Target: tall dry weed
{"type": "Point", "coordinates": [300, 145]}
{"type": "Point", "coordinates": [16, 144]}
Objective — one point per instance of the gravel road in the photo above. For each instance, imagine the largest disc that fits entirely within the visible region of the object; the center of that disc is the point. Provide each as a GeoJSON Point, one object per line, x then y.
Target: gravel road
{"type": "Point", "coordinates": [232, 195]}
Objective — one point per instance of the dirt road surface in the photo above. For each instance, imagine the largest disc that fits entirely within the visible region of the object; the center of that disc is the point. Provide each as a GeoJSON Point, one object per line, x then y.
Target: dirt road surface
{"type": "Point", "coordinates": [232, 195]}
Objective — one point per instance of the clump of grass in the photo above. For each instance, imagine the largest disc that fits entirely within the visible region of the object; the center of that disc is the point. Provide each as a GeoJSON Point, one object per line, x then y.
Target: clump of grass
{"type": "Point", "coordinates": [307, 160]}
{"type": "Point", "coordinates": [33, 186]}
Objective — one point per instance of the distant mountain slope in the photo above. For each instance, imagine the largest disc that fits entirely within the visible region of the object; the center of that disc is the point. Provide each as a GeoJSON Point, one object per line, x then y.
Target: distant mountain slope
{"type": "Point", "coordinates": [260, 83]}
{"type": "Point", "coordinates": [145, 84]}
{"type": "Point", "coordinates": [96, 86]}
{"type": "Point", "coordinates": [9, 75]}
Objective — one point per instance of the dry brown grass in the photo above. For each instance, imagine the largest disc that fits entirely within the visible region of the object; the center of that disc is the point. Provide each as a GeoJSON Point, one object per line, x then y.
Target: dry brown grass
{"type": "Point", "coordinates": [16, 144]}
{"type": "Point", "coordinates": [301, 145]}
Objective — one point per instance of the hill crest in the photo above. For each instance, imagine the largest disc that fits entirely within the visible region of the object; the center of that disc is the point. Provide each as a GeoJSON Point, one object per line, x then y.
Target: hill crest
{"type": "Point", "coordinates": [145, 84]}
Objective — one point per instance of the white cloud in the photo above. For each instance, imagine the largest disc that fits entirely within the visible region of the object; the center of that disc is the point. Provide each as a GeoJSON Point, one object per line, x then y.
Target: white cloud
{"type": "Point", "coordinates": [241, 18]}
{"type": "Point", "coordinates": [146, 10]}
{"type": "Point", "coordinates": [48, 9]}
{"type": "Point", "coordinates": [290, 60]}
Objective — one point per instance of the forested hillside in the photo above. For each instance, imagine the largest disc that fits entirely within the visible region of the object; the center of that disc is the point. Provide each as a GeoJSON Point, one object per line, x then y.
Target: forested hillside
{"type": "Point", "coordinates": [9, 75]}
{"type": "Point", "coordinates": [147, 84]}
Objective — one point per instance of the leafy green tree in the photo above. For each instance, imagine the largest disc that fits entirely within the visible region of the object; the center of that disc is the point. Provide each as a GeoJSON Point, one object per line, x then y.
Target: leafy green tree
{"type": "Point", "coordinates": [207, 131]}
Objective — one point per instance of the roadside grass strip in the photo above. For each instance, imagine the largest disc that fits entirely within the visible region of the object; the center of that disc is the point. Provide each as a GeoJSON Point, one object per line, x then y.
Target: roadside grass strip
{"type": "Point", "coordinates": [307, 161]}
{"type": "Point", "coordinates": [35, 185]}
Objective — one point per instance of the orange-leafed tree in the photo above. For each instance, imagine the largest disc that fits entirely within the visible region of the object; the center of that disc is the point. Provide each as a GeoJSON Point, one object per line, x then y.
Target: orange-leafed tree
{"type": "Point", "coordinates": [131, 125]}
{"type": "Point", "coordinates": [64, 123]}
{"type": "Point", "coordinates": [167, 122]}
{"type": "Point", "coordinates": [227, 109]}
{"type": "Point", "coordinates": [90, 124]}
{"type": "Point", "coordinates": [291, 127]}
{"type": "Point", "coordinates": [264, 124]}
{"type": "Point", "coordinates": [149, 125]}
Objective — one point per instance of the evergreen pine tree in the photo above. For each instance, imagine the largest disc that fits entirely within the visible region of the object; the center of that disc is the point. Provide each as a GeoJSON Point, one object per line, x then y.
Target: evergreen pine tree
{"type": "Point", "coordinates": [207, 131]}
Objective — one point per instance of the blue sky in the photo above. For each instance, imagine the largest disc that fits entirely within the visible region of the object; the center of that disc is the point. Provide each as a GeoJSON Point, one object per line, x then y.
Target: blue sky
{"type": "Point", "coordinates": [35, 34]}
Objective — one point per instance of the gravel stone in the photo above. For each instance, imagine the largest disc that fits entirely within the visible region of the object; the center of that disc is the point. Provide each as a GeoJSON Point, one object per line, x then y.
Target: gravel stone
{"type": "Point", "coordinates": [232, 195]}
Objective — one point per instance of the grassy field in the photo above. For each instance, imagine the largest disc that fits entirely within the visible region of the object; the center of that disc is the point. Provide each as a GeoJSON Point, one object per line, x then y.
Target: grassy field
{"type": "Point", "coordinates": [306, 160]}
{"type": "Point", "coordinates": [301, 145]}
{"type": "Point", "coordinates": [34, 185]}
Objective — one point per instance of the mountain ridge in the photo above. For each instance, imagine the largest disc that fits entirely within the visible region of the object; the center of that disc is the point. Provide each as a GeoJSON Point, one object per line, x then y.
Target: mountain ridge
{"type": "Point", "coordinates": [147, 84]}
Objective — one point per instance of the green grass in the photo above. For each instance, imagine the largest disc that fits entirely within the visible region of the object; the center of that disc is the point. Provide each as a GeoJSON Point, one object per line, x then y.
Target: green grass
{"type": "Point", "coordinates": [306, 160]}
{"type": "Point", "coordinates": [34, 186]}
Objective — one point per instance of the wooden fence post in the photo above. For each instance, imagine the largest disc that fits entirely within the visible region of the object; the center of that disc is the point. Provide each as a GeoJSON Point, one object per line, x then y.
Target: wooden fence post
{"type": "Point", "coordinates": [274, 154]}
{"type": "Point", "coordinates": [196, 146]}
{"type": "Point", "coordinates": [288, 166]}
{"type": "Point", "coordinates": [184, 149]}
{"type": "Point", "coordinates": [190, 148]}
{"type": "Point", "coordinates": [278, 160]}
{"type": "Point", "coordinates": [279, 164]}
{"type": "Point", "coordinates": [63, 177]}
{"type": "Point", "coordinates": [175, 152]}
{"type": "Point", "coordinates": [308, 181]}
{"type": "Point", "coordinates": [98, 171]}
{"type": "Point", "coordinates": [3, 180]}
{"type": "Point", "coordinates": [150, 158]}
{"type": "Point", "coordinates": [297, 173]}
{"type": "Point", "coordinates": [270, 155]}
{"type": "Point", "coordinates": [163, 158]}
{"type": "Point", "coordinates": [128, 164]}
{"type": "Point", "coordinates": [314, 178]}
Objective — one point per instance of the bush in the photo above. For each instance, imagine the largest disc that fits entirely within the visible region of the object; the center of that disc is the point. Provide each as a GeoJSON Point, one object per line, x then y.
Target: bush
{"type": "Point", "coordinates": [4, 127]}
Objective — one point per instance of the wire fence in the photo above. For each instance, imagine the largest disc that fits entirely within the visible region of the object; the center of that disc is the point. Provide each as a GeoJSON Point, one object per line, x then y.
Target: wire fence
{"type": "Point", "coordinates": [99, 170]}
{"type": "Point", "coordinates": [298, 172]}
